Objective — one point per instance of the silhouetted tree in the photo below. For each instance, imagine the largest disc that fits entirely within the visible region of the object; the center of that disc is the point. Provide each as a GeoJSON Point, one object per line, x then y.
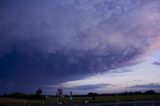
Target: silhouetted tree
{"type": "Point", "coordinates": [38, 92]}
{"type": "Point", "coordinates": [60, 92]}
{"type": "Point", "coordinates": [137, 92]}
{"type": "Point", "coordinates": [93, 95]}
{"type": "Point", "coordinates": [130, 93]}
{"type": "Point", "coordinates": [38, 95]}
{"type": "Point", "coordinates": [150, 92]}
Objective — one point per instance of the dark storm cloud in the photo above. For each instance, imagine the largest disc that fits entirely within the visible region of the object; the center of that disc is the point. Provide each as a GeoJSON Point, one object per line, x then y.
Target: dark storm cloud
{"type": "Point", "coordinates": [47, 42]}
{"type": "Point", "coordinates": [90, 87]}
{"type": "Point", "coordinates": [156, 63]}
{"type": "Point", "coordinates": [147, 86]}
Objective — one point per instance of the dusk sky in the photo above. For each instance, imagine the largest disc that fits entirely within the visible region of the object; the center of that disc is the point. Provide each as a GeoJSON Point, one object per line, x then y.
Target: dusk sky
{"type": "Point", "coordinates": [103, 46]}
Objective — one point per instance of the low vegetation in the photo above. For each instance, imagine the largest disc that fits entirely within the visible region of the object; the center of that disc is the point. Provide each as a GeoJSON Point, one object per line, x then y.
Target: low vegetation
{"type": "Point", "coordinates": [5, 100]}
{"type": "Point", "coordinates": [20, 98]}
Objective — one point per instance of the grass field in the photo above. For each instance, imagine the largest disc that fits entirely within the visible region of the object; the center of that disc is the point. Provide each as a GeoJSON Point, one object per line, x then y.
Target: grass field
{"type": "Point", "coordinates": [109, 99]}
{"type": "Point", "coordinates": [4, 100]}
{"type": "Point", "coordinates": [98, 99]}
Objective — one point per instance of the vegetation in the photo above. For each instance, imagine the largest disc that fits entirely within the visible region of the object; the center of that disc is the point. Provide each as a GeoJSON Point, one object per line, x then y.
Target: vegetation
{"type": "Point", "coordinates": [37, 96]}
{"type": "Point", "coordinates": [91, 97]}
{"type": "Point", "coordinates": [107, 98]}
{"type": "Point", "coordinates": [4, 100]}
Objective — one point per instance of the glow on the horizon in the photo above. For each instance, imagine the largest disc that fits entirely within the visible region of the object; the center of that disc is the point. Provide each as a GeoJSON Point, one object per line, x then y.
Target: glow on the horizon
{"type": "Point", "coordinates": [141, 74]}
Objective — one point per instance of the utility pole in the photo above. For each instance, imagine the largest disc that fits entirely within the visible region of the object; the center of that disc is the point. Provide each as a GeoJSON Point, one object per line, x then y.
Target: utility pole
{"type": "Point", "coordinates": [70, 98]}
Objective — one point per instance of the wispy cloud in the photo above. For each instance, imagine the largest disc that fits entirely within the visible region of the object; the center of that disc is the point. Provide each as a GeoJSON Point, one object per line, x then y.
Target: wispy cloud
{"type": "Point", "coordinates": [89, 87]}
{"type": "Point", "coordinates": [147, 86]}
{"type": "Point", "coordinates": [156, 63]}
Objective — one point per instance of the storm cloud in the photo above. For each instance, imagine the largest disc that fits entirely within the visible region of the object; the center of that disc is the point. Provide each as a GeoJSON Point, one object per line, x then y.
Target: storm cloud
{"type": "Point", "coordinates": [147, 86]}
{"type": "Point", "coordinates": [47, 42]}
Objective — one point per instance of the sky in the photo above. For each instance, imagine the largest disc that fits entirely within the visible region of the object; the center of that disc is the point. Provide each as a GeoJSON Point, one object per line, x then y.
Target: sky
{"type": "Point", "coordinates": [103, 46]}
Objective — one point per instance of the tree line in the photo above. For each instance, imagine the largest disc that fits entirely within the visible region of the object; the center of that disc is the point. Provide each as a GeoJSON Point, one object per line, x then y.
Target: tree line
{"type": "Point", "coordinates": [38, 95]}
{"type": "Point", "coordinates": [35, 96]}
{"type": "Point", "coordinates": [148, 92]}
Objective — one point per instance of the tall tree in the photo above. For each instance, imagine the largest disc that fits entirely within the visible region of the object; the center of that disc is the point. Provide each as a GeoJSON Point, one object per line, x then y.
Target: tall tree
{"type": "Point", "coordinates": [38, 92]}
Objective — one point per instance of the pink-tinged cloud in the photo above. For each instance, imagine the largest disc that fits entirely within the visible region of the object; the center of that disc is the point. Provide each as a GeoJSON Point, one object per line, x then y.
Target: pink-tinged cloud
{"type": "Point", "coordinates": [69, 39]}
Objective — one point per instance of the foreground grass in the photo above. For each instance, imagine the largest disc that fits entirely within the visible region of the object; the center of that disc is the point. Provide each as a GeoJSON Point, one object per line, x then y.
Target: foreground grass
{"type": "Point", "coordinates": [108, 99]}
{"type": "Point", "coordinates": [98, 99]}
{"type": "Point", "coordinates": [4, 100]}
{"type": "Point", "coordinates": [125, 98]}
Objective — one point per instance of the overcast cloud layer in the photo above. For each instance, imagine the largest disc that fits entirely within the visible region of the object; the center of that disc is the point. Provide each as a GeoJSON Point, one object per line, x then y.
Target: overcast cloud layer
{"type": "Point", "coordinates": [51, 41]}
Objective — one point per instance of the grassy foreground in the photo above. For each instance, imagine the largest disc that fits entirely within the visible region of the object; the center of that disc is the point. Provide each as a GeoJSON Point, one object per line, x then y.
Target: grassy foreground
{"type": "Point", "coordinates": [4, 100]}
{"type": "Point", "coordinates": [98, 99]}
{"type": "Point", "coordinates": [108, 99]}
